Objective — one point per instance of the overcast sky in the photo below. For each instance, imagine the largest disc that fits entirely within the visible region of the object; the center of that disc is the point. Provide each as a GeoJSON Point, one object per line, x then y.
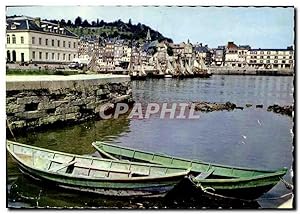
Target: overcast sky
{"type": "Point", "coordinates": [257, 27]}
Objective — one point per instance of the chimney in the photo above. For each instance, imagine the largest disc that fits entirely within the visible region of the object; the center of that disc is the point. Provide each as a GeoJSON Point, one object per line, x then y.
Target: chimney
{"type": "Point", "coordinates": [37, 21]}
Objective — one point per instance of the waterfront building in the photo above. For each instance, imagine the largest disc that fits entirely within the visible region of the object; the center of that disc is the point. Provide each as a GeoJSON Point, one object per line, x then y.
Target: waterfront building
{"type": "Point", "coordinates": [203, 52]}
{"type": "Point", "coordinates": [37, 41]}
{"type": "Point", "coordinates": [178, 49]}
{"type": "Point", "coordinates": [219, 56]}
{"type": "Point", "coordinates": [271, 58]}
{"type": "Point", "coordinates": [231, 54]}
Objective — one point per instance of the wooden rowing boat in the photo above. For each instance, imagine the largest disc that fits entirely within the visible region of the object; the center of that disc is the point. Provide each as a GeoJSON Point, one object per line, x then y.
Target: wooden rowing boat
{"type": "Point", "coordinates": [97, 175]}
{"type": "Point", "coordinates": [224, 180]}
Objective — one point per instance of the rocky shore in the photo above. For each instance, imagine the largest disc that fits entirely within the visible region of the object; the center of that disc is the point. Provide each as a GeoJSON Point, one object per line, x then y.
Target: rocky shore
{"type": "Point", "coordinates": [212, 106]}
{"type": "Point", "coordinates": [287, 109]}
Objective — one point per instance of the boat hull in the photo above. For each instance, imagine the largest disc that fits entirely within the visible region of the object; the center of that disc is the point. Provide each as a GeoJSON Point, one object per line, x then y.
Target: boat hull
{"type": "Point", "coordinates": [97, 175]}
{"type": "Point", "coordinates": [153, 188]}
{"type": "Point", "coordinates": [242, 183]}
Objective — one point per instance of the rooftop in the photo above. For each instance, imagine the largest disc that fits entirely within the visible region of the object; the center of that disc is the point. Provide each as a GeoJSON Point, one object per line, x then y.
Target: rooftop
{"type": "Point", "coordinates": [36, 24]}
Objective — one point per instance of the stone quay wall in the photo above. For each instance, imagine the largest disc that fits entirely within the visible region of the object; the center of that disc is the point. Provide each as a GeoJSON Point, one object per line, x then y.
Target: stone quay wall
{"type": "Point", "coordinates": [37, 101]}
{"type": "Point", "coordinates": [250, 71]}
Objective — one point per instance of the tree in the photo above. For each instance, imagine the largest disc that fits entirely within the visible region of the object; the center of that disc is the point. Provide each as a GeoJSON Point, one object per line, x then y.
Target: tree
{"type": "Point", "coordinates": [78, 21]}
{"type": "Point", "coordinates": [85, 23]}
{"type": "Point", "coordinates": [97, 24]}
{"type": "Point", "coordinates": [170, 51]}
{"type": "Point", "coordinates": [94, 24]}
{"type": "Point", "coordinates": [63, 23]}
{"type": "Point", "coordinates": [101, 23]}
{"type": "Point", "coordinates": [129, 23]}
{"type": "Point", "coordinates": [69, 23]}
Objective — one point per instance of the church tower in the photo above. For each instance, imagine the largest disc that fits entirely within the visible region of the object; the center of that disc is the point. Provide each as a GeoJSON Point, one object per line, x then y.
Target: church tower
{"type": "Point", "coordinates": [148, 37]}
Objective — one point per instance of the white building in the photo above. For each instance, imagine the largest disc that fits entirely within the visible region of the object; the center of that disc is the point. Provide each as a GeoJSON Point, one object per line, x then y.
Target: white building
{"type": "Point", "coordinates": [271, 58]}
{"type": "Point", "coordinates": [36, 41]}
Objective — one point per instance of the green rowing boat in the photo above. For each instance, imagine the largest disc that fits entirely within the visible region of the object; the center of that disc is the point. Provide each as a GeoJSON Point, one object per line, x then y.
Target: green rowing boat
{"type": "Point", "coordinates": [96, 175]}
{"type": "Point", "coordinates": [244, 183]}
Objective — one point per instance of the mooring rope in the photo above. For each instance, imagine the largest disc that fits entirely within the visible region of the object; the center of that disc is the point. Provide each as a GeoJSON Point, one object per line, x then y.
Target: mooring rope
{"type": "Point", "coordinates": [204, 189]}
{"type": "Point", "coordinates": [287, 185]}
{"type": "Point", "coordinates": [11, 132]}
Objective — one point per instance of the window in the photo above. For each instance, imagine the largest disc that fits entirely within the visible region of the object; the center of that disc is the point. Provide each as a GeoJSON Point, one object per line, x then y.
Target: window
{"type": "Point", "coordinates": [74, 44]}
{"type": "Point", "coordinates": [40, 55]}
{"type": "Point", "coordinates": [74, 55]}
{"type": "Point", "coordinates": [13, 39]}
{"type": "Point", "coordinates": [46, 55]}
{"type": "Point", "coordinates": [275, 61]}
{"type": "Point", "coordinates": [291, 61]}
{"type": "Point", "coordinates": [69, 44]}
{"type": "Point", "coordinates": [276, 57]}
{"type": "Point", "coordinates": [58, 43]}
{"type": "Point", "coordinates": [33, 54]}
{"type": "Point", "coordinates": [64, 57]}
{"type": "Point", "coordinates": [22, 40]}
{"type": "Point", "coordinates": [69, 57]}
{"type": "Point", "coordinates": [262, 52]}
{"type": "Point", "coordinates": [64, 43]}
{"type": "Point", "coordinates": [283, 61]}
{"type": "Point", "coordinates": [261, 57]}
{"type": "Point", "coordinates": [283, 57]}
{"type": "Point", "coordinates": [8, 39]}
{"type": "Point", "coordinates": [268, 57]}
{"type": "Point", "coordinates": [261, 61]}
{"type": "Point", "coordinates": [57, 56]}
{"type": "Point", "coordinates": [52, 56]}
{"type": "Point", "coordinates": [268, 52]}
{"type": "Point", "coordinates": [52, 42]}
{"type": "Point", "coordinates": [290, 57]}
{"type": "Point", "coordinates": [40, 41]}
{"type": "Point", "coordinates": [32, 40]}
{"type": "Point", "coordinates": [291, 52]}
{"type": "Point", "coordinates": [46, 41]}
{"type": "Point", "coordinates": [268, 61]}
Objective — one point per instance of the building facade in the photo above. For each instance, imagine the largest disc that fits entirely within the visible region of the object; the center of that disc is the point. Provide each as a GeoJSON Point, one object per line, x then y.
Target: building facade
{"type": "Point", "coordinates": [36, 41]}
{"type": "Point", "coordinates": [271, 58]}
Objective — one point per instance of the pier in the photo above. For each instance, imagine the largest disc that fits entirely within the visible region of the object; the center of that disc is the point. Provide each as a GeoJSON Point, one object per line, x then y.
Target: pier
{"type": "Point", "coordinates": [36, 101]}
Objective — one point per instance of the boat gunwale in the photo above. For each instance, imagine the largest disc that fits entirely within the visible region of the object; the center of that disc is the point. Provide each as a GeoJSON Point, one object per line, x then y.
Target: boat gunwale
{"type": "Point", "coordinates": [279, 172]}
{"type": "Point", "coordinates": [103, 179]}
{"type": "Point", "coordinates": [99, 158]}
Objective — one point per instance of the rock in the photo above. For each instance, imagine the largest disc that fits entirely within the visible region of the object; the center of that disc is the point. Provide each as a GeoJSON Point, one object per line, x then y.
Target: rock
{"type": "Point", "coordinates": [240, 107]}
{"type": "Point", "coordinates": [209, 107]}
{"type": "Point", "coordinates": [259, 106]}
{"type": "Point", "coordinates": [287, 110]}
{"type": "Point", "coordinates": [248, 105]}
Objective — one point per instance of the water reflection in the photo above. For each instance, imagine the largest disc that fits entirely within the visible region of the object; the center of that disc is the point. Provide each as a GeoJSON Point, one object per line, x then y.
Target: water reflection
{"type": "Point", "coordinates": [215, 137]}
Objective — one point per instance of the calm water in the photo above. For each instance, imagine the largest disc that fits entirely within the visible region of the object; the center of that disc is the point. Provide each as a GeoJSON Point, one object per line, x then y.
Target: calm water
{"type": "Point", "coordinates": [252, 138]}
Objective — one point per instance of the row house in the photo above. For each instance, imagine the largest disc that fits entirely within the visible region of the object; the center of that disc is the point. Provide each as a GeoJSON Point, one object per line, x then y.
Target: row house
{"type": "Point", "coordinates": [204, 53]}
{"type": "Point", "coordinates": [37, 41]}
{"type": "Point", "coordinates": [219, 56]}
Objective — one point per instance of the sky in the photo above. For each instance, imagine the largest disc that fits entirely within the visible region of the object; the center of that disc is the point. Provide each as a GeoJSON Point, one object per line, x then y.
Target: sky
{"type": "Point", "coordinates": [258, 27]}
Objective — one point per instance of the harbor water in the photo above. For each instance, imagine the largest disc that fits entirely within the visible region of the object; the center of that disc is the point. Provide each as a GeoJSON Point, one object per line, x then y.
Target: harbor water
{"type": "Point", "coordinates": [252, 137]}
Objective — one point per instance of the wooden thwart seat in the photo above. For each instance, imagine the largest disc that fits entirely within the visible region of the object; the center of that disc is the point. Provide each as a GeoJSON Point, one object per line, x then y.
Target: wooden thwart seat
{"type": "Point", "coordinates": [55, 169]}
{"type": "Point", "coordinates": [204, 175]}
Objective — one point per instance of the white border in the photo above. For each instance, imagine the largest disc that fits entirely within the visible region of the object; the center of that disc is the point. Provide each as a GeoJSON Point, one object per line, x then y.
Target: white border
{"type": "Point", "coordinates": [110, 2]}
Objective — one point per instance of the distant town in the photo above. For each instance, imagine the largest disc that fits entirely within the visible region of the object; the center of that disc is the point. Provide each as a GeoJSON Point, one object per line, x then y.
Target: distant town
{"type": "Point", "coordinates": [35, 43]}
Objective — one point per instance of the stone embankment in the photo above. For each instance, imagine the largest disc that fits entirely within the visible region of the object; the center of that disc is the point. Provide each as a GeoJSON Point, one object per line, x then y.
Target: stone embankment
{"type": "Point", "coordinates": [37, 101]}
{"type": "Point", "coordinates": [287, 110]}
{"type": "Point", "coordinates": [249, 71]}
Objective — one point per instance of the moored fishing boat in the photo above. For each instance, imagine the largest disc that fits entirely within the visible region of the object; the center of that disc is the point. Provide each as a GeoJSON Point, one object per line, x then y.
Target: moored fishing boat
{"type": "Point", "coordinates": [96, 175]}
{"type": "Point", "coordinates": [224, 180]}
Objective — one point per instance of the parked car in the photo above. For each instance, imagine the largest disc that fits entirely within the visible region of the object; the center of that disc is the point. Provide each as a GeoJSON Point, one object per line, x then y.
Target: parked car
{"type": "Point", "coordinates": [74, 65]}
